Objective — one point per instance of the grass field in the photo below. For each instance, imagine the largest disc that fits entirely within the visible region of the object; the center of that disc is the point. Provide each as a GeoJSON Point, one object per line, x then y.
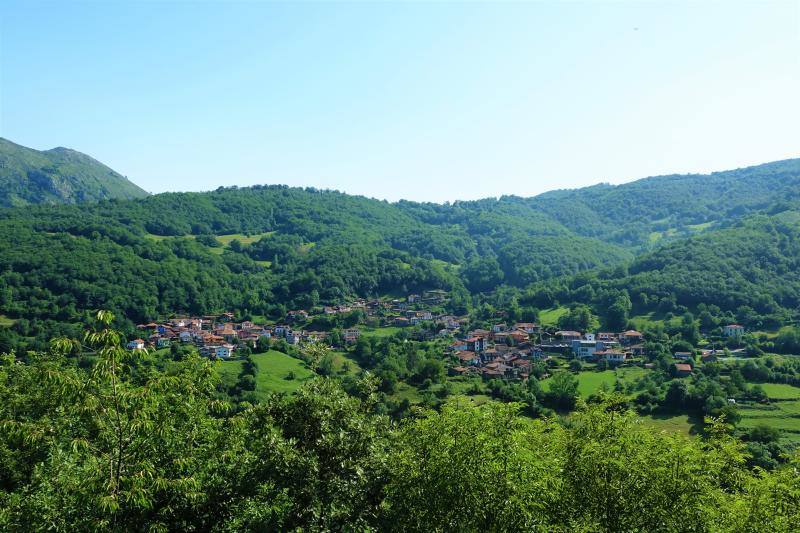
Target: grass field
{"type": "Point", "coordinates": [779, 391]}
{"type": "Point", "coordinates": [6, 322]}
{"type": "Point", "coordinates": [590, 382]}
{"type": "Point", "coordinates": [387, 331]}
{"type": "Point", "coordinates": [549, 317]}
{"type": "Point", "coordinates": [700, 227]}
{"type": "Point", "coordinates": [273, 369]}
{"type": "Point", "coordinates": [684, 424]}
{"type": "Point", "coordinates": [225, 240]}
{"type": "Point", "coordinates": [783, 411]}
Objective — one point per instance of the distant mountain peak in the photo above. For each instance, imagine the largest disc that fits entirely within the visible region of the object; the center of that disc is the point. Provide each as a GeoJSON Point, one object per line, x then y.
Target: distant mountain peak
{"type": "Point", "coordinates": [57, 176]}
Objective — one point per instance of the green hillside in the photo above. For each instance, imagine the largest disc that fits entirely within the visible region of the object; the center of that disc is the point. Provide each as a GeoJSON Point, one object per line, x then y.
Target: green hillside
{"type": "Point", "coordinates": [728, 239]}
{"type": "Point", "coordinates": [57, 176]}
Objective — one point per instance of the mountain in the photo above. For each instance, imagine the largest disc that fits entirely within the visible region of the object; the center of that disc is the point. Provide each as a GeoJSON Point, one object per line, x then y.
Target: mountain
{"type": "Point", "coordinates": [643, 212]}
{"type": "Point", "coordinates": [265, 249]}
{"type": "Point", "coordinates": [57, 176]}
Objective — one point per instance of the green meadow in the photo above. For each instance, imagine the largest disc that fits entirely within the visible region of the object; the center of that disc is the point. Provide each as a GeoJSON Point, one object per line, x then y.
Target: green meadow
{"type": "Point", "coordinates": [275, 371]}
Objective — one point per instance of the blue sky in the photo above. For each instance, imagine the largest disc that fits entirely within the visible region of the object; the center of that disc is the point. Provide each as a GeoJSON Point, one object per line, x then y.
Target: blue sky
{"type": "Point", "coordinates": [426, 101]}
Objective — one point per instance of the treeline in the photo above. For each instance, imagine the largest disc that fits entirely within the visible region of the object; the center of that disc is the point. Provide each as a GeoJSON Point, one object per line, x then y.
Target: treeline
{"type": "Point", "coordinates": [134, 443]}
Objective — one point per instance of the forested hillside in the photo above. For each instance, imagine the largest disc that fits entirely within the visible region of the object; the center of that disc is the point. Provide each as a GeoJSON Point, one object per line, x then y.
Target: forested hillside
{"type": "Point", "coordinates": [751, 270]}
{"type": "Point", "coordinates": [265, 249]}
{"type": "Point", "coordinates": [57, 176]}
{"type": "Point", "coordinates": [642, 212]}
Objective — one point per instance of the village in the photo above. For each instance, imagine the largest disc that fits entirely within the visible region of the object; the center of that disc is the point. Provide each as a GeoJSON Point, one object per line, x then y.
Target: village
{"type": "Point", "coordinates": [505, 351]}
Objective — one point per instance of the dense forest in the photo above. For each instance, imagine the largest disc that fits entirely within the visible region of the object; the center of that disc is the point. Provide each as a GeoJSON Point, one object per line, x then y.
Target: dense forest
{"type": "Point", "coordinates": [137, 442]}
{"type": "Point", "coordinates": [748, 271]}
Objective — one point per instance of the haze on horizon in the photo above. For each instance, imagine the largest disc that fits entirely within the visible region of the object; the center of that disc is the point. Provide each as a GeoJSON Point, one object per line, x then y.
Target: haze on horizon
{"type": "Point", "coordinates": [420, 101]}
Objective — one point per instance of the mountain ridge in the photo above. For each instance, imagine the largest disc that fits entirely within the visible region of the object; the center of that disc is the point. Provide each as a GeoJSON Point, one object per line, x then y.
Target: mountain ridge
{"type": "Point", "coordinates": [57, 176]}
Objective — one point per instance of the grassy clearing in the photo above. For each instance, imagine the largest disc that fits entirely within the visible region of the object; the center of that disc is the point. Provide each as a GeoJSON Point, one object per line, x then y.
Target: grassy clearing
{"type": "Point", "coordinates": [273, 369]}
{"type": "Point", "coordinates": [158, 237]}
{"type": "Point", "coordinates": [225, 240]}
{"type": "Point", "coordinates": [387, 331]}
{"type": "Point", "coordinates": [656, 236]}
{"type": "Point", "coordinates": [779, 391]}
{"type": "Point", "coordinates": [700, 227]}
{"type": "Point", "coordinates": [684, 424]}
{"type": "Point", "coordinates": [404, 391]}
{"type": "Point", "coordinates": [550, 316]}
{"type": "Point", "coordinates": [590, 382]}
{"type": "Point", "coordinates": [6, 322]}
{"type": "Point", "coordinates": [341, 358]}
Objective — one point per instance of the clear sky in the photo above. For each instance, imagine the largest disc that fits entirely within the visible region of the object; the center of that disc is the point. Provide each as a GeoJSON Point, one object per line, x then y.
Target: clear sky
{"type": "Point", "coordinates": [426, 101]}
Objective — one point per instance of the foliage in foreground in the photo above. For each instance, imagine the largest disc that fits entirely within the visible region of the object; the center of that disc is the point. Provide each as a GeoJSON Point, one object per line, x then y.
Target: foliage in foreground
{"type": "Point", "coordinates": [135, 445]}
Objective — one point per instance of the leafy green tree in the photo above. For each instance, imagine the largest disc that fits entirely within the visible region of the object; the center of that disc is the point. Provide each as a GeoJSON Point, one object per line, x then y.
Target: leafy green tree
{"type": "Point", "coordinates": [563, 391]}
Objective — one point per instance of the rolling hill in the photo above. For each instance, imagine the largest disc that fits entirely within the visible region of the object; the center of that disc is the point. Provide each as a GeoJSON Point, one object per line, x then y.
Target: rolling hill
{"type": "Point", "coordinates": [57, 176]}
{"type": "Point", "coordinates": [264, 249]}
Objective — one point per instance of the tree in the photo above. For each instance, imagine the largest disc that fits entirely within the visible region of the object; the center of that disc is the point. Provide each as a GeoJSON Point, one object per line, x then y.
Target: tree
{"type": "Point", "coordinates": [579, 318]}
{"type": "Point", "coordinates": [563, 391]}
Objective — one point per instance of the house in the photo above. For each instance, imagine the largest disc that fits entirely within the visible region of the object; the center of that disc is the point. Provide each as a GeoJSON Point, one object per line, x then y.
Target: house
{"type": "Point", "coordinates": [413, 298]}
{"type": "Point", "coordinates": [612, 356]}
{"type": "Point", "coordinates": [185, 336]}
{"type": "Point", "coordinates": [709, 356]}
{"type": "Point", "coordinates": [518, 336]}
{"type": "Point", "coordinates": [468, 358]}
{"type": "Point", "coordinates": [733, 330]}
{"type": "Point", "coordinates": [294, 337]}
{"type": "Point", "coordinates": [459, 370]}
{"type": "Point", "coordinates": [351, 335]}
{"type": "Point", "coordinates": [584, 349]}
{"type": "Point", "coordinates": [683, 356]}
{"type": "Point", "coordinates": [683, 370]}
{"type": "Point", "coordinates": [528, 327]}
{"type": "Point", "coordinates": [568, 336]}
{"type": "Point", "coordinates": [631, 337]}
{"type": "Point", "coordinates": [136, 344]}
{"type": "Point", "coordinates": [458, 345]}
{"type": "Point", "coordinates": [281, 330]}
{"type": "Point", "coordinates": [538, 354]}
{"type": "Point", "coordinates": [607, 337]}
{"type": "Point", "coordinates": [224, 351]}
{"type": "Point", "coordinates": [401, 321]}
{"type": "Point", "coordinates": [162, 342]}
{"type": "Point", "coordinates": [297, 315]}
{"type": "Point", "coordinates": [637, 350]}
{"type": "Point", "coordinates": [497, 328]}
{"type": "Point", "coordinates": [476, 344]}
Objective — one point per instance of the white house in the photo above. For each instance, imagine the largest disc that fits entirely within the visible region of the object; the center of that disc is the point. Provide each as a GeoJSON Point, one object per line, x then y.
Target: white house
{"type": "Point", "coordinates": [733, 330]}
{"type": "Point", "coordinates": [185, 336]}
{"type": "Point", "coordinates": [136, 344]}
{"type": "Point", "coordinates": [584, 349]}
{"type": "Point", "coordinates": [224, 351]}
{"type": "Point", "coordinates": [614, 356]}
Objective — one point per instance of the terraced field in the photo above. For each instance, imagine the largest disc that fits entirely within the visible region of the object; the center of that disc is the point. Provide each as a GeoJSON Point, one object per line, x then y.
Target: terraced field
{"type": "Point", "coordinates": [783, 411]}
